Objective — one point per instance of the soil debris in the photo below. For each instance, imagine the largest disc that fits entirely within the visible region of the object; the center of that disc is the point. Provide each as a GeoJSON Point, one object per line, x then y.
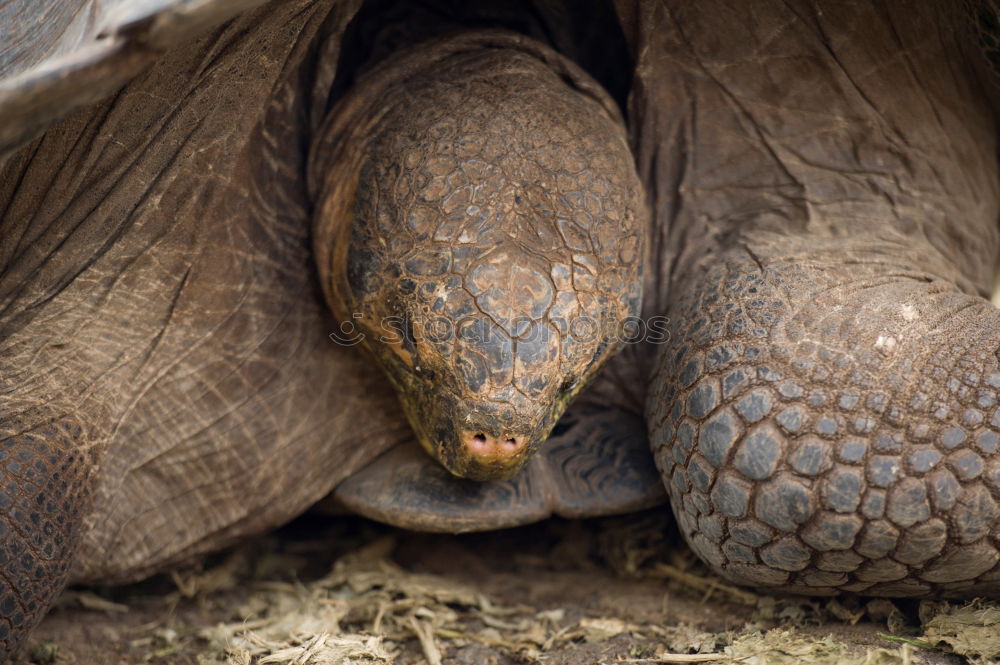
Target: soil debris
{"type": "Point", "coordinates": [971, 630]}
{"type": "Point", "coordinates": [786, 647]}
{"type": "Point", "coordinates": [560, 593]}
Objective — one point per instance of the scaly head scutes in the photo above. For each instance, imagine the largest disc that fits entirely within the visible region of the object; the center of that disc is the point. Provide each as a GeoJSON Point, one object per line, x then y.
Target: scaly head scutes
{"type": "Point", "coordinates": [494, 250]}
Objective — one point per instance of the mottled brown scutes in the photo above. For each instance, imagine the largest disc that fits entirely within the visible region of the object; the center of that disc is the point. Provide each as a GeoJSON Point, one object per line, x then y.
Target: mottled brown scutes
{"type": "Point", "coordinates": [494, 249]}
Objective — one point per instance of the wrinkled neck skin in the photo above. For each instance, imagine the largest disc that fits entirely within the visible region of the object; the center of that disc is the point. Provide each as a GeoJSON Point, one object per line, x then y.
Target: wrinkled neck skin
{"type": "Point", "coordinates": [479, 224]}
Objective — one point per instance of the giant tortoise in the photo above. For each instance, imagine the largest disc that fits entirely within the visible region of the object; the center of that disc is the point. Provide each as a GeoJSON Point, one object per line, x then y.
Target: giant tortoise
{"type": "Point", "coordinates": [218, 224]}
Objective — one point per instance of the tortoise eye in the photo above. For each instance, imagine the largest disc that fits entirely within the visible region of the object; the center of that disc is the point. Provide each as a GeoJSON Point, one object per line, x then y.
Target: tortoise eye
{"type": "Point", "coordinates": [423, 372]}
{"type": "Point", "coordinates": [568, 385]}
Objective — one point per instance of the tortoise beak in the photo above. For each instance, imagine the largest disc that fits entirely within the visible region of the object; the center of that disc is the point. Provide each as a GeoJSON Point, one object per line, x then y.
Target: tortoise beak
{"type": "Point", "coordinates": [481, 447]}
{"type": "Point", "coordinates": [478, 441]}
{"type": "Point", "coordinates": [483, 453]}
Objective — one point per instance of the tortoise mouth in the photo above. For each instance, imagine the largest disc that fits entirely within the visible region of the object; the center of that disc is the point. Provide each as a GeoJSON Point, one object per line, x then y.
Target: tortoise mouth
{"type": "Point", "coordinates": [477, 436]}
{"type": "Point", "coordinates": [464, 463]}
{"type": "Point", "coordinates": [478, 441]}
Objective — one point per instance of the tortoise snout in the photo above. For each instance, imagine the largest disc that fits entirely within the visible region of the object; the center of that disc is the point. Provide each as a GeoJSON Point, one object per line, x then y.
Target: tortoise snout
{"type": "Point", "coordinates": [484, 447]}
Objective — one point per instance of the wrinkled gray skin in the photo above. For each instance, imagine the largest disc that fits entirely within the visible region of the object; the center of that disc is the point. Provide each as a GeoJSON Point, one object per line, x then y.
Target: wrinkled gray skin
{"type": "Point", "coordinates": [824, 189]}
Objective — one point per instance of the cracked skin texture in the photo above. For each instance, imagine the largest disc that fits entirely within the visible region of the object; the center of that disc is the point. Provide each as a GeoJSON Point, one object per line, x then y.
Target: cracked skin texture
{"type": "Point", "coordinates": [494, 249]}
{"type": "Point", "coordinates": [823, 181]}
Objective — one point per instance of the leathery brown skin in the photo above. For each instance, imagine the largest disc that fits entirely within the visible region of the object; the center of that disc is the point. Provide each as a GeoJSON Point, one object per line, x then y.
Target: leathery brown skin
{"type": "Point", "coordinates": [826, 416]}
{"type": "Point", "coordinates": [484, 235]}
{"type": "Point", "coordinates": [167, 386]}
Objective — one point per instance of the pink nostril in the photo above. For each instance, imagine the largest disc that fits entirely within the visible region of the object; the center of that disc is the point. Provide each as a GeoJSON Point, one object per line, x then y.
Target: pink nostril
{"type": "Point", "coordinates": [483, 445]}
{"type": "Point", "coordinates": [479, 444]}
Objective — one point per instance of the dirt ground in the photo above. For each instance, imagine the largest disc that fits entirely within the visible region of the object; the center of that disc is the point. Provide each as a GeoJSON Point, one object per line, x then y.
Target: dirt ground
{"type": "Point", "coordinates": [345, 590]}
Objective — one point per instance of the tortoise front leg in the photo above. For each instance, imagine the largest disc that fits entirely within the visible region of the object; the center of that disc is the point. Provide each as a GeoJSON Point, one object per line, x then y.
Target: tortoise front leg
{"type": "Point", "coordinates": [834, 427]}
{"type": "Point", "coordinates": [825, 416]}
{"type": "Point", "coordinates": [48, 461]}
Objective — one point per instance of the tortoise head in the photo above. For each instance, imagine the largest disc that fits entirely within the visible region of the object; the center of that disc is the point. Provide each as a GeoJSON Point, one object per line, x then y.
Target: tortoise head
{"type": "Point", "coordinates": [494, 251]}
